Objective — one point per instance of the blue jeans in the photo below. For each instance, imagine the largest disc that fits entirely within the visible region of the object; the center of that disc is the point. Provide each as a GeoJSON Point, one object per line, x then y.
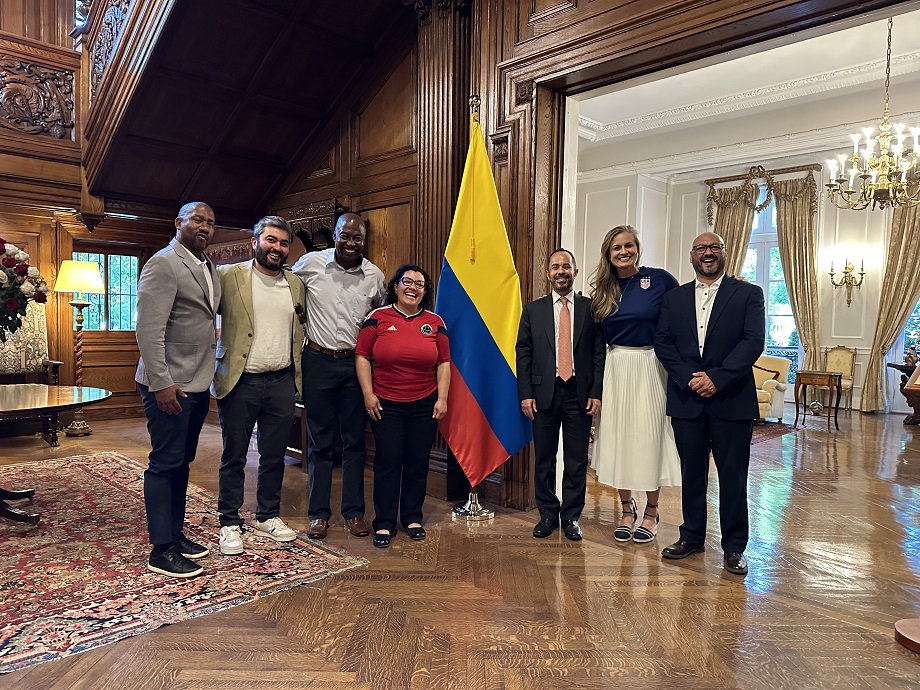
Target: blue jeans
{"type": "Point", "coordinates": [173, 443]}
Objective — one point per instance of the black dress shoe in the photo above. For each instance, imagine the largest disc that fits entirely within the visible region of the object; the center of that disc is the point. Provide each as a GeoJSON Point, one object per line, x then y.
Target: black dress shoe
{"type": "Point", "coordinates": [173, 564]}
{"type": "Point", "coordinates": [190, 549]}
{"type": "Point", "coordinates": [416, 533]}
{"type": "Point", "coordinates": [681, 549]}
{"type": "Point", "coordinates": [736, 563]}
{"type": "Point", "coordinates": [382, 539]}
{"type": "Point", "coordinates": [544, 528]}
{"type": "Point", "coordinates": [571, 529]}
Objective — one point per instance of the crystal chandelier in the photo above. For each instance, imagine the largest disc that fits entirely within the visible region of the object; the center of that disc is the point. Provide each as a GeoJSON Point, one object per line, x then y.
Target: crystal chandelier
{"type": "Point", "coordinates": [886, 178]}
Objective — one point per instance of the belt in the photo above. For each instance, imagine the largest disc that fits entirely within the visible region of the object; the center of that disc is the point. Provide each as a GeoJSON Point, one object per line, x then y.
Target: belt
{"type": "Point", "coordinates": [262, 374]}
{"type": "Point", "coordinates": [337, 354]}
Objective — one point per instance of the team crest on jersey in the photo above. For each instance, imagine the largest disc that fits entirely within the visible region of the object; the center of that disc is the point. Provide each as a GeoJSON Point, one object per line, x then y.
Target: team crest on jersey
{"type": "Point", "coordinates": [645, 283]}
{"type": "Point", "coordinates": [427, 329]}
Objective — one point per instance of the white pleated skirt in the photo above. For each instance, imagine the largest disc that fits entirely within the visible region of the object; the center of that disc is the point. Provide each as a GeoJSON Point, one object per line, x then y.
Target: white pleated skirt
{"type": "Point", "coordinates": [633, 440]}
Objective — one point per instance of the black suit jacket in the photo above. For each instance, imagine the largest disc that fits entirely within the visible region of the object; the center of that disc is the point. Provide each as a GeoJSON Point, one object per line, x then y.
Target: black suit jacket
{"type": "Point", "coordinates": [536, 352]}
{"type": "Point", "coordinates": [734, 340]}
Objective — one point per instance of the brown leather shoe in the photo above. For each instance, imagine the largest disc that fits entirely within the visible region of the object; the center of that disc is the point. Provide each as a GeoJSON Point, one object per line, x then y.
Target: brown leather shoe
{"type": "Point", "coordinates": [318, 529]}
{"type": "Point", "coordinates": [357, 526]}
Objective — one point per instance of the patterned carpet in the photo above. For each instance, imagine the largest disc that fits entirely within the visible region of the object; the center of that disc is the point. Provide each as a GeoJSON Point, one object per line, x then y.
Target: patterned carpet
{"type": "Point", "coordinates": [764, 431]}
{"type": "Point", "coordinates": [78, 579]}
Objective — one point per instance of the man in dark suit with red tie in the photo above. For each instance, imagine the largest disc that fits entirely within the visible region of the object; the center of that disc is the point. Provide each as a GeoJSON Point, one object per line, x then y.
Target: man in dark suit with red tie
{"type": "Point", "coordinates": [710, 333]}
{"type": "Point", "coordinates": [560, 373]}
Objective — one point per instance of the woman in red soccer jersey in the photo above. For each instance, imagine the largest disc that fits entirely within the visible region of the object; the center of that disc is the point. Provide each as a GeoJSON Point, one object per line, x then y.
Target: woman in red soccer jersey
{"type": "Point", "coordinates": [405, 394]}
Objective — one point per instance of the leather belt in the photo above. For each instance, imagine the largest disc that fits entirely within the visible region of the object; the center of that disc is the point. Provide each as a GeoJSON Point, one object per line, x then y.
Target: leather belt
{"type": "Point", "coordinates": [337, 354]}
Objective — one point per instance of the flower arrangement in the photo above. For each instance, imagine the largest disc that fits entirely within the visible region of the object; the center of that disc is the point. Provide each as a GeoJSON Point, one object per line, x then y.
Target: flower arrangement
{"type": "Point", "coordinates": [19, 283]}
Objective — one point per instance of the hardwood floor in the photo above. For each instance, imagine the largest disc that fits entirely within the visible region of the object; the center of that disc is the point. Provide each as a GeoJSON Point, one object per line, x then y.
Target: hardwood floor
{"type": "Point", "coordinates": [835, 561]}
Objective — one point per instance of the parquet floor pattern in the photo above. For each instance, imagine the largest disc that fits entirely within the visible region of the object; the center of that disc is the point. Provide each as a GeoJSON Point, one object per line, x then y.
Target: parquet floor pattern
{"type": "Point", "coordinates": [835, 561]}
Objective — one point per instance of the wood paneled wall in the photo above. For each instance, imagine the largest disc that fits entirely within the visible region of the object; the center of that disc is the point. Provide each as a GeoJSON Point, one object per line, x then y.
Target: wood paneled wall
{"type": "Point", "coordinates": [45, 21]}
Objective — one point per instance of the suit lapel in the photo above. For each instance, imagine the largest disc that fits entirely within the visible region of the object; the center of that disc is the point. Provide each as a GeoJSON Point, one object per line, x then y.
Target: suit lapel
{"type": "Point", "coordinates": [244, 286]}
{"type": "Point", "coordinates": [723, 295]}
{"type": "Point", "coordinates": [581, 310]}
{"type": "Point", "coordinates": [292, 286]}
{"type": "Point", "coordinates": [688, 306]}
{"type": "Point", "coordinates": [549, 322]}
{"type": "Point", "coordinates": [197, 274]}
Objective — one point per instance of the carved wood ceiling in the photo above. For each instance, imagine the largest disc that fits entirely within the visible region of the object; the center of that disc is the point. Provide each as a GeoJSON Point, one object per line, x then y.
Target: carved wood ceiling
{"type": "Point", "coordinates": [233, 96]}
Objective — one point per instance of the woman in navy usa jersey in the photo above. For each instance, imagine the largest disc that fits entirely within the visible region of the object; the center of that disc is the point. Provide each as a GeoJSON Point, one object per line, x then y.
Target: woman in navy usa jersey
{"type": "Point", "coordinates": [405, 394]}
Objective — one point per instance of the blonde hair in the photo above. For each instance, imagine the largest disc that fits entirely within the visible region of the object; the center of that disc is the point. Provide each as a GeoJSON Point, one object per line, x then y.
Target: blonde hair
{"type": "Point", "coordinates": [605, 285]}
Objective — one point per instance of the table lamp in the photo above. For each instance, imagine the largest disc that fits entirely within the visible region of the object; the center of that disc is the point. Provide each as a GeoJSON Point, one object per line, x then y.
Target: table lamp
{"type": "Point", "coordinates": [79, 277]}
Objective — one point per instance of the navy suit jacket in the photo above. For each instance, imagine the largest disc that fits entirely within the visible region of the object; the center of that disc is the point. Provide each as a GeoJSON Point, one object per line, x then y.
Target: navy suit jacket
{"type": "Point", "coordinates": [536, 352]}
{"type": "Point", "coordinates": [734, 340]}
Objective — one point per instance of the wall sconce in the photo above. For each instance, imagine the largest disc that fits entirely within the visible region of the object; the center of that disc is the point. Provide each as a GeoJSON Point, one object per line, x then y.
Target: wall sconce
{"type": "Point", "coordinates": [848, 279]}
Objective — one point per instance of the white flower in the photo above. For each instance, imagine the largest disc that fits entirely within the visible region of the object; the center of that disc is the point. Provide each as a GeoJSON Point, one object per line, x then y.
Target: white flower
{"type": "Point", "coordinates": [27, 288]}
{"type": "Point", "coordinates": [11, 249]}
{"type": "Point", "coordinates": [33, 272]}
{"type": "Point", "coordinates": [4, 278]}
{"type": "Point", "coordinates": [21, 257]}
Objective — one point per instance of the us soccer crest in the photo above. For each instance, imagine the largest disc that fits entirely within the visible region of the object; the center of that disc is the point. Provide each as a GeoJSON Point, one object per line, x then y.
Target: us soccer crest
{"type": "Point", "coordinates": [426, 329]}
{"type": "Point", "coordinates": [645, 283]}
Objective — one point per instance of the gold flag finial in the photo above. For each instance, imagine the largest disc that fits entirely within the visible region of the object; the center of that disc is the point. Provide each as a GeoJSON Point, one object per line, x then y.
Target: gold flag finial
{"type": "Point", "coordinates": [474, 106]}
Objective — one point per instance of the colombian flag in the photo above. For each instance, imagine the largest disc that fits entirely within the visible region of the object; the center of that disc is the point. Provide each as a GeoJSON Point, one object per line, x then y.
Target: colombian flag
{"type": "Point", "coordinates": [479, 298]}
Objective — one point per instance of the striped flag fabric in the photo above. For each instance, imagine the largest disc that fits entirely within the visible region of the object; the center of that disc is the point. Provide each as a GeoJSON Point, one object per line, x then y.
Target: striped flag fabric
{"type": "Point", "coordinates": [479, 298]}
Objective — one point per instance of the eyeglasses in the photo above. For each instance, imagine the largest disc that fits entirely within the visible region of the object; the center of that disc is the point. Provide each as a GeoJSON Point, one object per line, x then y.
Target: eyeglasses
{"type": "Point", "coordinates": [408, 282]}
{"type": "Point", "coordinates": [703, 248]}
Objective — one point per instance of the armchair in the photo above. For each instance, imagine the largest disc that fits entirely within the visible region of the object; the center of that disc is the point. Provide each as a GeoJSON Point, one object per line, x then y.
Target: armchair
{"type": "Point", "coordinates": [842, 359]}
{"type": "Point", "coordinates": [770, 374]}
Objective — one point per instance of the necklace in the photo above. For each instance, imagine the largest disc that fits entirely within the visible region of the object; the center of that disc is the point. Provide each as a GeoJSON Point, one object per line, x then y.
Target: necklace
{"type": "Point", "coordinates": [625, 287]}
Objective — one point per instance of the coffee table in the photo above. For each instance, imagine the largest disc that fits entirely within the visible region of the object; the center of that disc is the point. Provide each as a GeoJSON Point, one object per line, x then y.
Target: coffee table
{"type": "Point", "coordinates": [26, 401]}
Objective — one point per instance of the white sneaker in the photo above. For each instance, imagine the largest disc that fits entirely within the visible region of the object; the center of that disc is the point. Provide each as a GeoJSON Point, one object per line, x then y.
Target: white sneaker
{"type": "Point", "coordinates": [274, 528]}
{"type": "Point", "coordinates": [231, 540]}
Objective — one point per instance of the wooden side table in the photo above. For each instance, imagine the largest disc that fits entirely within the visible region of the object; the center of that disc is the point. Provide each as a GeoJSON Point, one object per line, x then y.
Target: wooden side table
{"type": "Point", "coordinates": [910, 393]}
{"type": "Point", "coordinates": [822, 379]}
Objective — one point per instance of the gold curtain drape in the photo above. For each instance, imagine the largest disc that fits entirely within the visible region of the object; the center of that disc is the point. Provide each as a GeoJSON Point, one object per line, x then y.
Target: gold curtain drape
{"type": "Point", "coordinates": [796, 206]}
{"type": "Point", "coordinates": [902, 288]}
{"type": "Point", "coordinates": [734, 217]}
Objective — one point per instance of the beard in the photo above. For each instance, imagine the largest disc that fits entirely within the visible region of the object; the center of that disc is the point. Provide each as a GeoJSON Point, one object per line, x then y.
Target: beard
{"type": "Point", "coordinates": [266, 261]}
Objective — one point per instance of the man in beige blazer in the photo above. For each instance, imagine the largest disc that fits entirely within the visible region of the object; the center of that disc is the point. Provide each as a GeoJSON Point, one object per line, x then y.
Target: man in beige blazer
{"type": "Point", "coordinates": [177, 297]}
{"type": "Point", "coordinates": [257, 374]}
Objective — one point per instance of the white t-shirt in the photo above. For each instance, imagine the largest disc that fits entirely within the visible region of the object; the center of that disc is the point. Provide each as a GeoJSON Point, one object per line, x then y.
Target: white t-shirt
{"type": "Point", "coordinates": [273, 314]}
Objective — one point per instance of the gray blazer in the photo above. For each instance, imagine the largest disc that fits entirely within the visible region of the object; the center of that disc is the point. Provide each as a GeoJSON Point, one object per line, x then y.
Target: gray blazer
{"type": "Point", "coordinates": [175, 322]}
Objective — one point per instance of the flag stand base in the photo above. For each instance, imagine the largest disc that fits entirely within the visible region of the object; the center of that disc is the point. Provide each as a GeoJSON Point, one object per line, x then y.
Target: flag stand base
{"type": "Point", "coordinates": [472, 510]}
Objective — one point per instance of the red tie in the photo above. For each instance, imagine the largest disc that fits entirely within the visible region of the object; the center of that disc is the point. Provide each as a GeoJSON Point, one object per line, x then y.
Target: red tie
{"type": "Point", "coordinates": [564, 348]}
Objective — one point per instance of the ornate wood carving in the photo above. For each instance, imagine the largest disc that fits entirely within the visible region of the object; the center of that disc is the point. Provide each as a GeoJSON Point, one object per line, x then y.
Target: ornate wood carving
{"type": "Point", "coordinates": [500, 148]}
{"type": "Point", "coordinates": [313, 224]}
{"type": "Point", "coordinates": [36, 100]}
{"type": "Point", "coordinates": [104, 46]}
{"type": "Point", "coordinates": [423, 8]}
{"type": "Point", "coordinates": [523, 92]}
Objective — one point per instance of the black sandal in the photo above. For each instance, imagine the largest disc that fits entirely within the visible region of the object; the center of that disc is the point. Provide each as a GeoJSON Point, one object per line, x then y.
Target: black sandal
{"type": "Point", "coordinates": [624, 533]}
{"type": "Point", "coordinates": [643, 535]}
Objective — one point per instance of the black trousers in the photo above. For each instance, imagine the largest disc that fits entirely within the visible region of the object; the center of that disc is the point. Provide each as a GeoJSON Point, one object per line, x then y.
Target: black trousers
{"type": "Point", "coordinates": [334, 402]}
{"type": "Point", "coordinates": [266, 398]}
{"type": "Point", "coordinates": [403, 435]}
{"type": "Point", "coordinates": [173, 443]}
{"type": "Point", "coordinates": [730, 444]}
{"type": "Point", "coordinates": [565, 412]}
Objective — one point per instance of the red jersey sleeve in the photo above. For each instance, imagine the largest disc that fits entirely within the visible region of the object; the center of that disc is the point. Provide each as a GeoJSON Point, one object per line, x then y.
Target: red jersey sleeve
{"type": "Point", "coordinates": [443, 344]}
{"type": "Point", "coordinates": [367, 336]}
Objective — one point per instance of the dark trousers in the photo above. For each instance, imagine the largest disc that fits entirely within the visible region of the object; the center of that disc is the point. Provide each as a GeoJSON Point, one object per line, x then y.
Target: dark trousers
{"type": "Point", "coordinates": [730, 443]}
{"type": "Point", "coordinates": [173, 442]}
{"type": "Point", "coordinates": [333, 401]}
{"type": "Point", "coordinates": [565, 412]}
{"type": "Point", "coordinates": [403, 434]}
{"type": "Point", "coordinates": [268, 399]}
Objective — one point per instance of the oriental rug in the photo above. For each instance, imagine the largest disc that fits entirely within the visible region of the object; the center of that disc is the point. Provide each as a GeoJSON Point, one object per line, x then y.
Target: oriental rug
{"type": "Point", "coordinates": [78, 579]}
{"type": "Point", "coordinates": [765, 431]}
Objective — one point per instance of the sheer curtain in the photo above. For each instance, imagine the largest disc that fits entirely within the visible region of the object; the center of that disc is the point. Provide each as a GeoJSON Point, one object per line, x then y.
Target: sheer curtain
{"type": "Point", "coordinates": [734, 217]}
{"type": "Point", "coordinates": [902, 288]}
{"type": "Point", "coordinates": [796, 205]}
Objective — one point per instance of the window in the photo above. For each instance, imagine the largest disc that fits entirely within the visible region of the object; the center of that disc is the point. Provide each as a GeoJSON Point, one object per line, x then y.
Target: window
{"type": "Point", "coordinates": [116, 310]}
{"type": "Point", "coordinates": [911, 332]}
{"type": "Point", "coordinates": [763, 267]}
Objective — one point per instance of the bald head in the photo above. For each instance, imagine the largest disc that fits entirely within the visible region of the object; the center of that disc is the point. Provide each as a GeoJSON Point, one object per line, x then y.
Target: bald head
{"type": "Point", "coordinates": [350, 233]}
{"type": "Point", "coordinates": [707, 256]}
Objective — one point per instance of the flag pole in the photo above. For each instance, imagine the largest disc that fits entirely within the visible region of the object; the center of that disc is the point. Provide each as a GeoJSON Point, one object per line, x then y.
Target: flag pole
{"type": "Point", "coordinates": [473, 510]}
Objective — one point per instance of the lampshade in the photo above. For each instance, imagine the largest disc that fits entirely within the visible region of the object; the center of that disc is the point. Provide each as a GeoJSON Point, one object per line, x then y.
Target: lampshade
{"type": "Point", "coordinates": [79, 276]}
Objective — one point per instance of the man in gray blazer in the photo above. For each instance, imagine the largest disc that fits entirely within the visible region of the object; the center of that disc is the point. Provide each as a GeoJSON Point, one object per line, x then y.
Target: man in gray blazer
{"type": "Point", "coordinates": [178, 294]}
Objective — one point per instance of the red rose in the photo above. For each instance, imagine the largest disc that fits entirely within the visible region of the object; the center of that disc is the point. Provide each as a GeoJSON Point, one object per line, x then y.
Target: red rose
{"type": "Point", "coordinates": [8, 261]}
{"type": "Point", "coordinates": [40, 297]}
{"type": "Point", "coordinates": [21, 269]}
{"type": "Point", "coordinates": [11, 305]}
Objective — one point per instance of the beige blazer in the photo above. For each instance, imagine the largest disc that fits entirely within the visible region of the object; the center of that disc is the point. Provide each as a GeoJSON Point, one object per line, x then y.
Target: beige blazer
{"type": "Point", "coordinates": [237, 324]}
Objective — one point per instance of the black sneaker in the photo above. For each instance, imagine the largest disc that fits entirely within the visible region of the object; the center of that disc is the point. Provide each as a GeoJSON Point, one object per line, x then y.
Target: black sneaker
{"type": "Point", "coordinates": [190, 549]}
{"type": "Point", "coordinates": [173, 564]}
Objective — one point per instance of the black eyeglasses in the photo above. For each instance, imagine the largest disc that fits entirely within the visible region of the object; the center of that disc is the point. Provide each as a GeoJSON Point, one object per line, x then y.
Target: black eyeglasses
{"type": "Point", "coordinates": [703, 248]}
{"type": "Point", "coordinates": [408, 282]}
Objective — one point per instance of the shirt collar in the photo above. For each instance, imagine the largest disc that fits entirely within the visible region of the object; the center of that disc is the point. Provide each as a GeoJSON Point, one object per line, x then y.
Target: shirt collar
{"type": "Point", "coordinates": [568, 296]}
{"type": "Point", "coordinates": [335, 264]}
{"type": "Point", "coordinates": [715, 286]}
{"type": "Point", "coordinates": [185, 251]}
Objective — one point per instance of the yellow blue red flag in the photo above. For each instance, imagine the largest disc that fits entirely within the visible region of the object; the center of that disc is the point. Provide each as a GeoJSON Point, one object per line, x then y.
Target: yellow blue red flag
{"type": "Point", "coordinates": [479, 298]}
